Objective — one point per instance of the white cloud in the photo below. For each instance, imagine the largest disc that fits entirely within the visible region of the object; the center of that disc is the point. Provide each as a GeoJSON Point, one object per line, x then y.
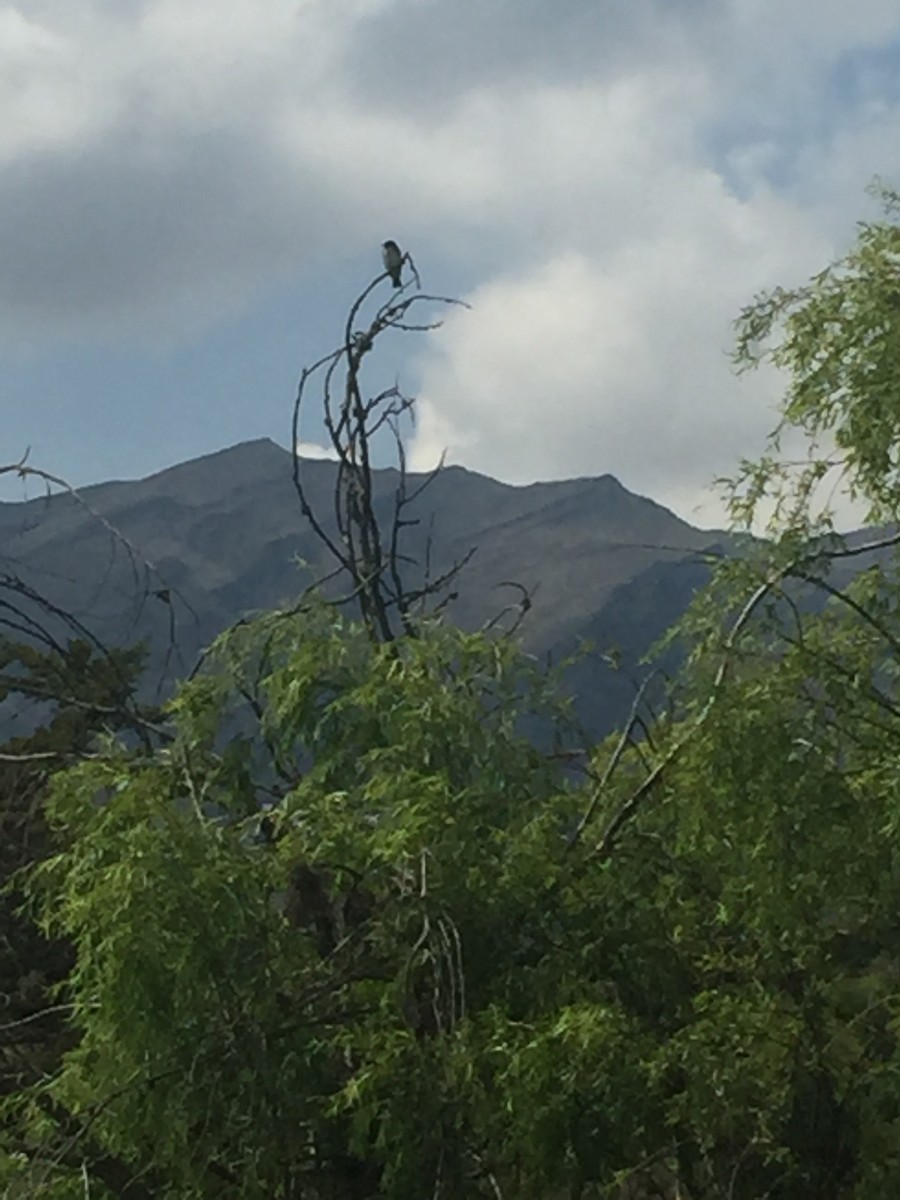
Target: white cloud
{"type": "Point", "coordinates": [316, 451]}
{"type": "Point", "coordinates": [608, 184]}
{"type": "Point", "coordinates": [612, 354]}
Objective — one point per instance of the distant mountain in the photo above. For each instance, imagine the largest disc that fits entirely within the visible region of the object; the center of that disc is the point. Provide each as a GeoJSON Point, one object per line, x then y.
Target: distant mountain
{"type": "Point", "coordinates": [225, 535]}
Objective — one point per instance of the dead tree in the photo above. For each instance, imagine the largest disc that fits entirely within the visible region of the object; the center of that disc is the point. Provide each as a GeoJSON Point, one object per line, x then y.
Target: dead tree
{"type": "Point", "coordinates": [367, 549]}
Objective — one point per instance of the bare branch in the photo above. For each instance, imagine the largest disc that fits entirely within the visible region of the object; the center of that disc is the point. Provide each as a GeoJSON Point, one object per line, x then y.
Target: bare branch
{"type": "Point", "coordinates": [625, 739]}
{"type": "Point", "coordinates": [628, 809]}
{"type": "Point", "coordinates": [370, 553]}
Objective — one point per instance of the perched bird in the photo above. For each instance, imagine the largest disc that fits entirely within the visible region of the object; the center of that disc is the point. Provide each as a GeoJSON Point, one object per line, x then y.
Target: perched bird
{"type": "Point", "coordinates": [393, 261]}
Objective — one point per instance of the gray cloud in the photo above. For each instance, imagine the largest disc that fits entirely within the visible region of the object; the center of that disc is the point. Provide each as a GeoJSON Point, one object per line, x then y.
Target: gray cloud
{"type": "Point", "coordinates": [103, 239]}
{"type": "Point", "coordinates": [139, 180]}
{"type": "Point", "coordinates": [608, 182]}
{"type": "Point", "coordinates": [164, 160]}
{"type": "Point", "coordinates": [429, 53]}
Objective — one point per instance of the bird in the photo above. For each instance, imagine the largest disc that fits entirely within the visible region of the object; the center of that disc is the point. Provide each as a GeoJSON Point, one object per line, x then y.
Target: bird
{"type": "Point", "coordinates": [393, 260]}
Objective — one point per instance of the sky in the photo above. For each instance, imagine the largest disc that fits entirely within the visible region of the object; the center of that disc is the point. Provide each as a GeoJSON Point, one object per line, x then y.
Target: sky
{"type": "Point", "coordinates": [192, 193]}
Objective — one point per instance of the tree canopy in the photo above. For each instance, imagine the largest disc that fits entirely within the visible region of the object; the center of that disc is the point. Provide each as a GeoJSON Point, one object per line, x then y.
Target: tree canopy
{"type": "Point", "coordinates": [371, 921]}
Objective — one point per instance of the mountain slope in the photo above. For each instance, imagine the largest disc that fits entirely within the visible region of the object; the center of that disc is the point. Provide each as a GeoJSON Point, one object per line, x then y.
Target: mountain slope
{"type": "Point", "coordinates": [224, 533]}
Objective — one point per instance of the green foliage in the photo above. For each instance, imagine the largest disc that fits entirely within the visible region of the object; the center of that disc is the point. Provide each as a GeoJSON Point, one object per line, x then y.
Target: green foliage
{"type": "Point", "coordinates": [82, 695]}
{"type": "Point", "coordinates": [360, 929]}
{"type": "Point", "coordinates": [415, 824]}
{"type": "Point", "coordinates": [837, 340]}
{"type": "Point", "coordinates": [407, 971]}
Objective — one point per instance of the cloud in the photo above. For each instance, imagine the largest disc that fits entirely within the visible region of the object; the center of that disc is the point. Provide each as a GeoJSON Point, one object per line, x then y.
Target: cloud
{"type": "Point", "coordinates": [579, 368]}
{"type": "Point", "coordinates": [163, 163]}
{"type": "Point", "coordinates": [606, 184]}
{"type": "Point", "coordinates": [605, 348]}
{"type": "Point", "coordinates": [141, 188]}
{"type": "Point", "coordinates": [316, 451]}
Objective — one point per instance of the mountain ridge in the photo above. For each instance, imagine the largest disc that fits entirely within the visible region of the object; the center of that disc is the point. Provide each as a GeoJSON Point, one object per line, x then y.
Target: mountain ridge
{"type": "Point", "coordinates": [224, 533]}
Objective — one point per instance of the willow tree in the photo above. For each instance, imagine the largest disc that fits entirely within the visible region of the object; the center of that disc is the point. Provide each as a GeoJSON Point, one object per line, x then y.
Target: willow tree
{"type": "Point", "coordinates": [364, 927]}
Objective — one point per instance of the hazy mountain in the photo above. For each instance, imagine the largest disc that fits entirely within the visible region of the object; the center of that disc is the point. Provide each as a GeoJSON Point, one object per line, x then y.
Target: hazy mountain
{"type": "Point", "coordinates": [225, 535]}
